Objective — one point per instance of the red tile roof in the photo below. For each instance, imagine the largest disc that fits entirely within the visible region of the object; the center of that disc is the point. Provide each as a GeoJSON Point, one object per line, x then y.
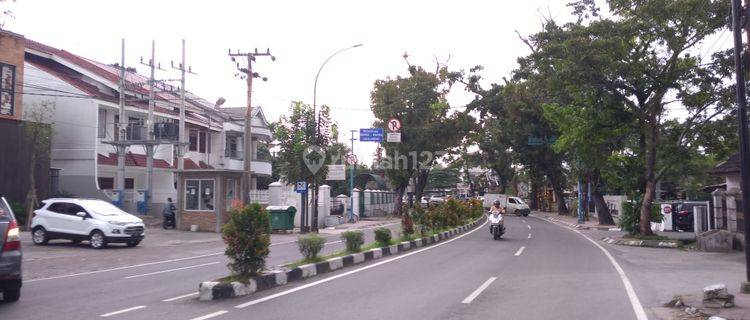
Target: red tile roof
{"type": "Point", "coordinates": [131, 160]}
{"type": "Point", "coordinates": [191, 165]}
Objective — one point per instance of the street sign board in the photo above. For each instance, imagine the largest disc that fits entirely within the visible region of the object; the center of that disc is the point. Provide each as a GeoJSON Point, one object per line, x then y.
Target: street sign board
{"type": "Point", "coordinates": [394, 125]}
{"type": "Point", "coordinates": [371, 135]}
{"type": "Point", "coordinates": [300, 187]}
{"type": "Point", "coordinates": [393, 137]}
{"type": "Point", "coordinates": [336, 172]}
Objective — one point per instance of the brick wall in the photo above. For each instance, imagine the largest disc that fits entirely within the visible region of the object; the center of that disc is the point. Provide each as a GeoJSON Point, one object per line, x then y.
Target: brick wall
{"type": "Point", "coordinates": [205, 220]}
{"type": "Point", "coordinates": [12, 52]}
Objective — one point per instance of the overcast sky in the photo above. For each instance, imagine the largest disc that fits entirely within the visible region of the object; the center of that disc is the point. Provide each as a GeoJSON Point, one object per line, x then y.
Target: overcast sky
{"type": "Point", "coordinates": [301, 34]}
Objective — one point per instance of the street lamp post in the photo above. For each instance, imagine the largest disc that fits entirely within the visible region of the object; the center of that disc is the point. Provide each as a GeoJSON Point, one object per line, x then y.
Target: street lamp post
{"type": "Point", "coordinates": [314, 222]}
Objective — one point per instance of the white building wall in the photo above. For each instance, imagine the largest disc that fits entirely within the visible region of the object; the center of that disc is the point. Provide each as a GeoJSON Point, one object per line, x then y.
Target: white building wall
{"type": "Point", "coordinates": [74, 140]}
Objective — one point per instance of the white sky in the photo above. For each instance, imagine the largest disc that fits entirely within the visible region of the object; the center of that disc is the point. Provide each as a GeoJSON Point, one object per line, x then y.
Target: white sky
{"type": "Point", "coordinates": [301, 34]}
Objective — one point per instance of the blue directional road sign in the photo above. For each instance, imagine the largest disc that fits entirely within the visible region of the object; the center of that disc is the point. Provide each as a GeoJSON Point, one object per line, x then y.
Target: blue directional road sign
{"type": "Point", "coordinates": [300, 187]}
{"type": "Point", "coordinates": [371, 135]}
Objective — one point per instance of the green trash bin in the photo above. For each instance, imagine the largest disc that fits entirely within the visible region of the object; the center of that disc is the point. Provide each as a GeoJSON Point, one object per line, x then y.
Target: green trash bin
{"type": "Point", "coordinates": [282, 217]}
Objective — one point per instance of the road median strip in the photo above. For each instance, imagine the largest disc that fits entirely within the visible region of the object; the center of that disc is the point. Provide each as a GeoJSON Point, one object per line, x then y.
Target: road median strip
{"type": "Point", "coordinates": [215, 290]}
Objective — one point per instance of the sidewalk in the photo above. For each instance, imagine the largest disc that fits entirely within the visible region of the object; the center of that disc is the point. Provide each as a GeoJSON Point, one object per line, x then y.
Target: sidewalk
{"type": "Point", "coordinates": [613, 231]}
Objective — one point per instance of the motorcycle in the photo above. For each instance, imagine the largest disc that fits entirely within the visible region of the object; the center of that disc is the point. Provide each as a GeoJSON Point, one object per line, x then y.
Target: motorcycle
{"type": "Point", "coordinates": [169, 221]}
{"type": "Point", "coordinates": [497, 226]}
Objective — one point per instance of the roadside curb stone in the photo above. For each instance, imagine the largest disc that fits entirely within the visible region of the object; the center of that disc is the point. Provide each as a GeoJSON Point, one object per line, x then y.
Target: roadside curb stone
{"type": "Point", "coordinates": [214, 290]}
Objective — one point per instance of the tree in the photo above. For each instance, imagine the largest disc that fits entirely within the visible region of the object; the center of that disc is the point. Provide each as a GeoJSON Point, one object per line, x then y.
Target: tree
{"type": "Point", "coordinates": [428, 128]}
{"type": "Point", "coordinates": [640, 56]}
{"type": "Point", "coordinates": [38, 131]}
{"type": "Point", "coordinates": [441, 177]}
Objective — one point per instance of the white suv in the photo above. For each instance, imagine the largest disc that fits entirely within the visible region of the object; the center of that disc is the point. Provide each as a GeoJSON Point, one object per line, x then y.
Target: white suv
{"type": "Point", "coordinates": [94, 220]}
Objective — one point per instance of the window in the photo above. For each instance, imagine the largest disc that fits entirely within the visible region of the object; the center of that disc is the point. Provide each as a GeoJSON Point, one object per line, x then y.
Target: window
{"type": "Point", "coordinates": [202, 142]}
{"type": "Point", "coordinates": [116, 130]}
{"type": "Point", "coordinates": [5, 212]}
{"type": "Point", "coordinates": [73, 209]}
{"type": "Point", "coordinates": [102, 133]}
{"type": "Point", "coordinates": [199, 195]}
{"type": "Point", "coordinates": [232, 148]}
{"type": "Point", "coordinates": [129, 183]}
{"type": "Point", "coordinates": [231, 188]}
{"type": "Point", "coordinates": [7, 89]}
{"type": "Point", "coordinates": [193, 139]}
{"type": "Point", "coordinates": [59, 207]}
{"type": "Point", "coordinates": [511, 201]}
{"type": "Point", "coordinates": [106, 183]}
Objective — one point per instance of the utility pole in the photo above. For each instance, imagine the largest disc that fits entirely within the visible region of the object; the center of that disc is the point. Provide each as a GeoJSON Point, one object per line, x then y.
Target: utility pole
{"type": "Point", "coordinates": [739, 22]}
{"type": "Point", "coordinates": [182, 144]}
{"type": "Point", "coordinates": [150, 145]}
{"type": "Point", "coordinates": [121, 148]}
{"type": "Point", "coordinates": [248, 75]}
{"type": "Point", "coordinates": [351, 179]}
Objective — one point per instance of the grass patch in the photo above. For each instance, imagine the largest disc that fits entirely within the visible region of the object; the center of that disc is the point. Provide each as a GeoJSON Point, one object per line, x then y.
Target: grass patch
{"type": "Point", "coordinates": [240, 278]}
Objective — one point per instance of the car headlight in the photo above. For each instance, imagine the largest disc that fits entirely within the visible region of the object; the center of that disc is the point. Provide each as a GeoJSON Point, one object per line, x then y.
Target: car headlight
{"type": "Point", "coordinates": [118, 223]}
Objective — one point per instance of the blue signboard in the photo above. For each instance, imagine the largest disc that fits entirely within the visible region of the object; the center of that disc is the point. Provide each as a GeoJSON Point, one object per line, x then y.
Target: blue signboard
{"type": "Point", "coordinates": [371, 135]}
{"type": "Point", "coordinates": [300, 187]}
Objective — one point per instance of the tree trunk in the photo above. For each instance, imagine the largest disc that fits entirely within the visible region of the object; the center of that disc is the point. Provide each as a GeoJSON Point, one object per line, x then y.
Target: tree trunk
{"type": "Point", "coordinates": [31, 200]}
{"type": "Point", "coordinates": [421, 183]}
{"type": "Point", "coordinates": [557, 188]}
{"type": "Point", "coordinates": [533, 196]}
{"type": "Point", "coordinates": [652, 139]}
{"type": "Point", "coordinates": [399, 199]}
{"type": "Point", "coordinates": [602, 211]}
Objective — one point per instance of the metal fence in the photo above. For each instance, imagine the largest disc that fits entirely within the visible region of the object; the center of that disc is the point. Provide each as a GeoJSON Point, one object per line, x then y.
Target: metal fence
{"type": "Point", "coordinates": [259, 196]}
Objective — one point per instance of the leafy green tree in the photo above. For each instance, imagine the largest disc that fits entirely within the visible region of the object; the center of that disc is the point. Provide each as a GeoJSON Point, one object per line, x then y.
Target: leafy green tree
{"type": "Point", "coordinates": [639, 55]}
{"type": "Point", "coordinates": [428, 128]}
{"type": "Point", "coordinates": [441, 177]}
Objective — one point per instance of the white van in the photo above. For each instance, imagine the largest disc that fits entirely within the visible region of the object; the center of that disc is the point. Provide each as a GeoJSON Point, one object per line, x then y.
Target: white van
{"type": "Point", "coordinates": [512, 204]}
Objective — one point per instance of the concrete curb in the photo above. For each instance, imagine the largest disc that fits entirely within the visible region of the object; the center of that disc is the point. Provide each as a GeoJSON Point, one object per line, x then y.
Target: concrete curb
{"type": "Point", "coordinates": [643, 243]}
{"type": "Point", "coordinates": [213, 290]}
{"type": "Point", "coordinates": [580, 226]}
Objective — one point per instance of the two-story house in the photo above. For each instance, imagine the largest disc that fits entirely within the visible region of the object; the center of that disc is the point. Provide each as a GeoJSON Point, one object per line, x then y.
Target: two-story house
{"type": "Point", "coordinates": [85, 95]}
{"type": "Point", "coordinates": [15, 146]}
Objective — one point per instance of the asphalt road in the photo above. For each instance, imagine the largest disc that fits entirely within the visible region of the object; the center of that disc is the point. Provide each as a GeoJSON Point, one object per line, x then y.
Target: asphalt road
{"type": "Point", "coordinates": [538, 271]}
{"type": "Point", "coordinates": [96, 291]}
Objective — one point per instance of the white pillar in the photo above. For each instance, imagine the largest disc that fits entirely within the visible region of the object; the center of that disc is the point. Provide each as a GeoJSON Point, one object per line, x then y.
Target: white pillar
{"type": "Point", "coordinates": [324, 204]}
{"type": "Point", "coordinates": [274, 194]}
{"type": "Point", "coordinates": [355, 201]}
{"type": "Point", "coordinates": [368, 205]}
{"type": "Point", "coordinates": [343, 199]}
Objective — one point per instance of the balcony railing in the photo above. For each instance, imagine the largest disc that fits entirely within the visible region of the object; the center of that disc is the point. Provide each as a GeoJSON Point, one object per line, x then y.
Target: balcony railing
{"type": "Point", "coordinates": [162, 131]}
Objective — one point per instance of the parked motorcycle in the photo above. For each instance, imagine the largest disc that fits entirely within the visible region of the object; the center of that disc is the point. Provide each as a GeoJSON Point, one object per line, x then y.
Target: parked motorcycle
{"type": "Point", "coordinates": [497, 226]}
{"type": "Point", "coordinates": [169, 215]}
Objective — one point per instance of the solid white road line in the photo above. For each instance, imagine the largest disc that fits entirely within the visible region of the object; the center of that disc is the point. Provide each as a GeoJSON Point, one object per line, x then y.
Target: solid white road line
{"type": "Point", "coordinates": [640, 313]}
{"type": "Point", "coordinates": [479, 290]}
{"type": "Point", "coordinates": [211, 315]}
{"type": "Point", "coordinates": [121, 311]}
{"type": "Point", "coordinates": [519, 252]}
{"type": "Point", "coordinates": [181, 297]}
{"type": "Point", "coordinates": [171, 270]}
{"type": "Point", "coordinates": [125, 267]}
{"type": "Point", "coordinates": [312, 284]}
{"type": "Point", "coordinates": [529, 236]}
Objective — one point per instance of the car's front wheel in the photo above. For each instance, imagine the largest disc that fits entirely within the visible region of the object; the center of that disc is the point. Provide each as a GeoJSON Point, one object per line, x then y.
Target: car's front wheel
{"type": "Point", "coordinates": [39, 236]}
{"type": "Point", "coordinates": [98, 240]}
{"type": "Point", "coordinates": [11, 295]}
{"type": "Point", "coordinates": [133, 243]}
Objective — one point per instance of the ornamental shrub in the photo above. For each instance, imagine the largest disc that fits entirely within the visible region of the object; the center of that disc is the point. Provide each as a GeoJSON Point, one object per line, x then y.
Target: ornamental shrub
{"type": "Point", "coordinates": [630, 217]}
{"type": "Point", "coordinates": [310, 246]}
{"type": "Point", "coordinates": [354, 240]}
{"type": "Point", "coordinates": [247, 236]}
{"type": "Point", "coordinates": [383, 236]}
